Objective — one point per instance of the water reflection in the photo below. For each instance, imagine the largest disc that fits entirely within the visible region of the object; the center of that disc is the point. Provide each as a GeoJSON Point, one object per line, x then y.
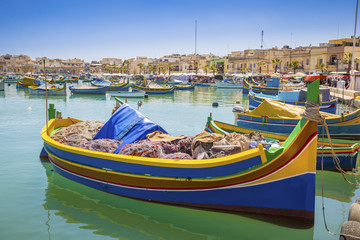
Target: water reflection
{"type": "Point", "coordinates": [335, 187]}
{"type": "Point", "coordinates": [118, 217]}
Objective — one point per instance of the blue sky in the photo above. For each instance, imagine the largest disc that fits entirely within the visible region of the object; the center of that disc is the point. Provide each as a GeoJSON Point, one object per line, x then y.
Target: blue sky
{"type": "Point", "coordinates": [92, 30]}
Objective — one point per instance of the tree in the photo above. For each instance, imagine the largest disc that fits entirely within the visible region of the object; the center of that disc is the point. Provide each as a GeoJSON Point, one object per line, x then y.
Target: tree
{"type": "Point", "coordinates": [140, 65]}
{"type": "Point", "coordinates": [196, 66]}
{"type": "Point", "coordinates": [213, 68]}
{"type": "Point", "coordinates": [169, 67]}
{"type": "Point", "coordinates": [206, 68]}
{"type": "Point", "coordinates": [127, 63]}
{"type": "Point", "coordinates": [347, 59]}
{"type": "Point", "coordinates": [277, 62]}
{"type": "Point", "coordinates": [151, 68]}
{"type": "Point", "coordinates": [295, 65]}
{"type": "Point", "coordinates": [260, 65]}
{"type": "Point", "coordinates": [163, 70]}
{"type": "Point", "coordinates": [322, 67]}
{"type": "Point", "coordinates": [243, 70]}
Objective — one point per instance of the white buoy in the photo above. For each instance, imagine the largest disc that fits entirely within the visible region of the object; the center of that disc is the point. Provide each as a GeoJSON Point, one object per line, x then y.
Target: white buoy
{"type": "Point", "coordinates": [238, 101]}
{"type": "Point", "coordinates": [29, 108]}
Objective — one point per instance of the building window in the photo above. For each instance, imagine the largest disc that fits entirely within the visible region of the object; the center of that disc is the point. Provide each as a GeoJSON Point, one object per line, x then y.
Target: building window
{"type": "Point", "coordinates": [320, 61]}
{"type": "Point", "coordinates": [241, 65]}
{"type": "Point", "coordinates": [307, 61]}
{"type": "Point", "coordinates": [244, 65]}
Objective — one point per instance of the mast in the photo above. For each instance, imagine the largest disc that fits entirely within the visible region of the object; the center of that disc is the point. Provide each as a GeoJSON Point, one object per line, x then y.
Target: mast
{"type": "Point", "coordinates": [262, 39]}
{"type": "Point", "coordinates": [354, 39]}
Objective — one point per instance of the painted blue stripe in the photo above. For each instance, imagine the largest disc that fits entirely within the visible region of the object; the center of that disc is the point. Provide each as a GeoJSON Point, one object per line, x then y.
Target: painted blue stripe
{"type": "Point", "coordinates": [222, 170]}
{"type": "Point", "coordinates": [276, 129]}
{"type": "Point", "coordinates": [347, 162]}
{"type": "Point", "coordinates": [296, 193]}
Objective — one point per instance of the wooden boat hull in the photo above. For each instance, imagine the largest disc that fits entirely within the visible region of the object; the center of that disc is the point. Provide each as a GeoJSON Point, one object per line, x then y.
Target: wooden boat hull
{"type": "Point", "coordinates": [282, 185]}
{"type": "Point", "coordinates": [347, 153]}
{"type": "Point", "coordinates": [155, 90]}
{"type": "Point", "coordinates": [342, 127]}
{"type": "Point", "coordinates": [90, 90]}
{"type": "Point", "coordinates": [51, 91]}
{"type": "Point", "coordinates": [220, 84]}
{"type": "Point", "coordinates": [185, 87]}
{"type": "Point", "coordinates": [115, 87]}
{"type": "Point", "coordinates": [330, 107]}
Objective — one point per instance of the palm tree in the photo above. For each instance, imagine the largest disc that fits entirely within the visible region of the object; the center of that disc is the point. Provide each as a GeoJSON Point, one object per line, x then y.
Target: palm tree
{"type": "Point", "coordinates": [347, 59]}
{"type": "Point", "coordinates": [140, 65]}
{"type": "Point", "coordinates": [294, 65]}
{"type": "Point", "coordinates": [243, 70]}
{"type": "Point", "coordinates": [260, 64]}
{"type": "Point", "coordinates": [127, 63]}
{"type": "Point", "coordinates": [206, 68]}
{"type": "Point", "coordinates": [213, 68]}
{"type": "Point", "coordinates": [322, 67]}
{"type": "Point", "coordinates": [163, 70]}
{"type": "Point", "coordinates": [169, 67]}
{"type": "Point", "coordinates": [196, 66]}
{"type": "Point", "coordinates": [143, 69]}
{"type": "Point", "coordinates": [277, 62]}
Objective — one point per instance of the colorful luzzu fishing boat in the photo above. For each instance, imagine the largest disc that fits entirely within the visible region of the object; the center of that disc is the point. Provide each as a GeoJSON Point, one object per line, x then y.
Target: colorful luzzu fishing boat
{"type": "Point", "coordinates": [280, 118]}
{"type": "Point", "coordinates": [26, 82]}
{"type": "Point", "coordinates": [272, 87]}
{"type": "Point", "coordinates": [347, 151]}
{"type": "Point", "coordinates": [185, 86]}
{"type": "Point", "coordinates": [228, 84]}
{"type": "Point", "coordinates": [155, 90]}
{"type": "Point", "coordinates": [280, 183]}
{"type": "Point", "coordinates": [51, 90]}
{"type": "Point", "coordinates": [293, 97]}
{"type": "Point", "coordinates": [110, 86]}
{"type": "Point", "coordinates": [88, 90]}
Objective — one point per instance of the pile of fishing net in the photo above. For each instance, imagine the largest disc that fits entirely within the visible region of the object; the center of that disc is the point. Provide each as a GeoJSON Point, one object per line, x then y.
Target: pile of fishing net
{"type": "Point", "coordinates": [78, 132]}
{"type": "Point", "coordinates": [81, 135]}
{"type": "Point", "coordinates": [160, 145]}
{"type": "Point", "coordinates": [202, 146]}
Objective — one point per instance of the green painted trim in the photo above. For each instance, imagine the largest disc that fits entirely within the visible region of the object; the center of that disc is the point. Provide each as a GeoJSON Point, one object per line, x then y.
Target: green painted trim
{"type": "Point", "coordinates": [313, 91]}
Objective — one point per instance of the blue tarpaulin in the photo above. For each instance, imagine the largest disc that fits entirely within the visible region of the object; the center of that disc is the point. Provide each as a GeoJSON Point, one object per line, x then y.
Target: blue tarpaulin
{"type": "Point", "coordinates": [129, 125]}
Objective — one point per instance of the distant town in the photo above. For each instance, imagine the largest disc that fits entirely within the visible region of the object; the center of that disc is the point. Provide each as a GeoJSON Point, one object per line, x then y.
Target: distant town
{"type": "Point", "coordinates": [334, 56]}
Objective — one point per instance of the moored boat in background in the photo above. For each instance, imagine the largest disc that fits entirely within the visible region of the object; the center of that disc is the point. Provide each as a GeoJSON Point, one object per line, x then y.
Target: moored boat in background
{"type": "Point", "coordinates": [87, 90]}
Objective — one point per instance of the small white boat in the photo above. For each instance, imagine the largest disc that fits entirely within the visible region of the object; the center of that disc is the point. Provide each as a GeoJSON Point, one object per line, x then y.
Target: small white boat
{"type": "Point", "coordinates": [128, 94]}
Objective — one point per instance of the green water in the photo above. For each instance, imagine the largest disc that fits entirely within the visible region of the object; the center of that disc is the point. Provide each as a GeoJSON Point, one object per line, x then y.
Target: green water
{"type": "Point", "coordinates": [37, 203]}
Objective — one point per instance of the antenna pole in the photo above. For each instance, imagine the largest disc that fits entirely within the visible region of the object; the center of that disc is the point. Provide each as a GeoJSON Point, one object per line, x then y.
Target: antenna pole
{"type": "Point", "coordinates": [46, 99]}
{"type": "Point", "coordinates": [354, 42]}
{"type": "Point", "coordinates": [195, 38]}
{"type": "Point", "coordinates": [262, 39]}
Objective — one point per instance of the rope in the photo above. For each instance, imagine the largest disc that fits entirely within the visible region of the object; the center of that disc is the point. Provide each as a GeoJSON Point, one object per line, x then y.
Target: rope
{"type": "Point", "coordinates": [337, 166]}
{"type": "Point", "coordinates": [322, 191]}
{"type": "Point", "coordinates": [312, 112]}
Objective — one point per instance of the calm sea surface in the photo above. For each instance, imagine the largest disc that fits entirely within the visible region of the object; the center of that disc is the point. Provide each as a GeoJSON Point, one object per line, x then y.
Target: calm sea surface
{"type": "Point", "coordinates": [37, 203]}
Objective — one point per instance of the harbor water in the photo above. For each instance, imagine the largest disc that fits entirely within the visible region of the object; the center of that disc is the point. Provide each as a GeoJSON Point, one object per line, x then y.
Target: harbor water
{"type": "Point", "coordinates": [37, 203]}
